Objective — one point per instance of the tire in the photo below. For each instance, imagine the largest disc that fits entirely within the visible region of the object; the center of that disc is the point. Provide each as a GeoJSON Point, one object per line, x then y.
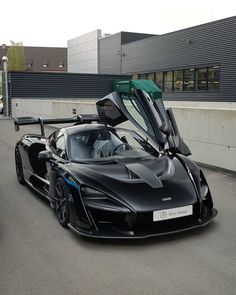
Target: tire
{"type": "Point", "coordinates": [61, 206]}
{"type": "Point", "coordinates": [19, 167]}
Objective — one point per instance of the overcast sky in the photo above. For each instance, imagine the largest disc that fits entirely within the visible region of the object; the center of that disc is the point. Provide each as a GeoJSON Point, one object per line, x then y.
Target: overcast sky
{"type": "Point", "coordinates": [53, 22]}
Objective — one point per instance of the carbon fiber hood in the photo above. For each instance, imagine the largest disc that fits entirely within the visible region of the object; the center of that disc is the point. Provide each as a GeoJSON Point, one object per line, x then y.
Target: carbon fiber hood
{"type": "Point", "coordinates": [144, 186]}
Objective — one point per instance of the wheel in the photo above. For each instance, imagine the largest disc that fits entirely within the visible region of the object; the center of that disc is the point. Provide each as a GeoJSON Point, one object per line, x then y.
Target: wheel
{"type": "Point", "coordinates": [124, 146]}
{"type": "Point", "coordinates": [61, 206]}
{"type": "Point", "coordinates": [19, 168]}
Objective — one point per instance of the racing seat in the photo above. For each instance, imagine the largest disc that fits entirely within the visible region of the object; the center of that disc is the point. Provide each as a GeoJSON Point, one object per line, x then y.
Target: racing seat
{"type": "Point", "coordinates": [103, 145]}
{"type": "Point", "coordinates": [80, 150]}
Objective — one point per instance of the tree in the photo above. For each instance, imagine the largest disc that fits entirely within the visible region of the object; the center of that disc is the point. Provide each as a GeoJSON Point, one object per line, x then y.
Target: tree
{"type": "Point", "coordinates": [16, 57]}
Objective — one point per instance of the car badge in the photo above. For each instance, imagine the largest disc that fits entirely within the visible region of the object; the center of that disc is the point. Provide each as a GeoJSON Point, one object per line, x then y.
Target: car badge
{"type": "Point", "coordinates": [166, 199]}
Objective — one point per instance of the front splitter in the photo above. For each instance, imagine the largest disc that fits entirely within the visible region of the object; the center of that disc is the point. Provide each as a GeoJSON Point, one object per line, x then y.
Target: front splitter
{"type": "Point", "coordinates": [115, 234]}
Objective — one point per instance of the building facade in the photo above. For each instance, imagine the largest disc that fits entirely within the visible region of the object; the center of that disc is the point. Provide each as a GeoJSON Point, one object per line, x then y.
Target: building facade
{"type": "Point", "coordinates": [111, 51]}
{"type": "Point", "coordinates": [99, 54]}
{"type": "Point", "coordinates": [41, 59]}
{"type": "Point", "coordinates": [83, 53]}
{"type": "Point", "coordinates": [49, 59]}
{"type": "Point", "coordinates": [197, 63]}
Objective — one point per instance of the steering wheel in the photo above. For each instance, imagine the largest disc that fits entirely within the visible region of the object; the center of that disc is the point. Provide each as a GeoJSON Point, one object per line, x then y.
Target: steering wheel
{"type": "Point", "coordinates": [125, 145]}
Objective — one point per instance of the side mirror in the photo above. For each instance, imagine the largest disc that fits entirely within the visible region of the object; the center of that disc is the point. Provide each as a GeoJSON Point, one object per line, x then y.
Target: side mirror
{"type": "Point", "coordinates": [45, 155]}
{"type": "Point", "coordinates": [165, 128]}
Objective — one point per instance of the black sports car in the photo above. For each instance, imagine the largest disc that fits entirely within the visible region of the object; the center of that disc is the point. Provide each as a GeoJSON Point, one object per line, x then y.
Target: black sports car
{"type": "Point", "coordinates": [109, 182]}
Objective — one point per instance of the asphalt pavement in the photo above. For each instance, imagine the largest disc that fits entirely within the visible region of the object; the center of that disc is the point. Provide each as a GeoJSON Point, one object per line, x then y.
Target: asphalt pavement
{"type": "Point", "coordinates": [38, 256]}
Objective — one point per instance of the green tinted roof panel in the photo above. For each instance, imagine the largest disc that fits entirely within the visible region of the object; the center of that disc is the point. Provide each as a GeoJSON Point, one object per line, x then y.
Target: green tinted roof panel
{"type": "Point", "coordinates": [147, 85]}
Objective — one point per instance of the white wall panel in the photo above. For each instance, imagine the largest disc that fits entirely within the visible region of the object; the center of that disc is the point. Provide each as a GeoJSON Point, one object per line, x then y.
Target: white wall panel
{"type": "Point", "coordinates": [83, 53]}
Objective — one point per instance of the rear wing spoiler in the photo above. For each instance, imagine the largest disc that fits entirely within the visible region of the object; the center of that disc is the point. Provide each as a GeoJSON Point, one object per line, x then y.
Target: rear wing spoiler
{"type": "Point", "coordinates": [80, 119]}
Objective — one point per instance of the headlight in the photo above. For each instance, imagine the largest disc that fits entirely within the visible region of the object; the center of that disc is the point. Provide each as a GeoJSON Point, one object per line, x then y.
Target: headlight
{"type": "Point", "coordinates": [98, 200]}
{"type": "Point", "coordinates": [93, 193]}
{"type": "Point", "coordinates": [204, 191]}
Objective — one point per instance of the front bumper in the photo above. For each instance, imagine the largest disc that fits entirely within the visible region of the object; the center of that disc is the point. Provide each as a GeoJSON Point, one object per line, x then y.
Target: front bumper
{"type": "Point", "coordinates": [146, 230]}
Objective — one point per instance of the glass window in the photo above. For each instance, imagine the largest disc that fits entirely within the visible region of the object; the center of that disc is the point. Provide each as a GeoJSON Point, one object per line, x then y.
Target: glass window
{"type": "Point", "coordinates": [159, 79]}
{"type": "Point", "coordinates": [142, 76]}
{"type": "Point", "coordinates": [201, 79]}
{"type": "Point", "coordinates": [60, 64]}
{"type": "Point", "coordinates": [52, 140]}
{"type": "Point", "coordinates": [29, 63]}
{"type": "Point", "coordinates": [168, 81]}
{"type": "Point", "coordinates": [57, 143]}
{"type": "Point", "coordinates": [178, 80]}
{"type": "Point", "coordinates": [150, 76]}
{"type": "Point", "coordinates": [138, 113]}
{"type": "Point", "coordinates": [81, 144]}
{"type": "Point", "coordinates": [104, 144]}
{"type": "Point", "coordinates": [213, 78]}
{"type": "Point", "coordinates": [45, 64]}
{"type": "Point", "coordinates": [60, 147]}
{"type": "Point", "coordinates": [189, 80]}
{"type": "Point", "coordinates": [133, 139]}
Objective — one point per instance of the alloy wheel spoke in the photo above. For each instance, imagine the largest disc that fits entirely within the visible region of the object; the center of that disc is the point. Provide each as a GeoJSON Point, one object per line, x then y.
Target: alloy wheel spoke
{"type": "Point", "coordinates": [60, 202]}
{"type": "Point", "coordinates": [58, 192]}
{"type": "Point", "coordinates": [63, 213]}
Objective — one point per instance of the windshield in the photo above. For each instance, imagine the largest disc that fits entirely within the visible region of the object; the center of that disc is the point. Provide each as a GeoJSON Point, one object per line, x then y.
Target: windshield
{"type": "Point", "coordinates": [108, 144]}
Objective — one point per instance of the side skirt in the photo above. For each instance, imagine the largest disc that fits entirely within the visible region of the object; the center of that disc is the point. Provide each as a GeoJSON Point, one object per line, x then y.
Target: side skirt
{"type": "Point", "coordinates": [37, 190]}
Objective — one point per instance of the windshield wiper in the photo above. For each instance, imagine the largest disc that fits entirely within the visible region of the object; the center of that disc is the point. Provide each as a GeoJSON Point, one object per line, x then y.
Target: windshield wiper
{"type": "Point", "coordinates": [113, 161]}
{"type": "Point", "coordinates": [79, 162]}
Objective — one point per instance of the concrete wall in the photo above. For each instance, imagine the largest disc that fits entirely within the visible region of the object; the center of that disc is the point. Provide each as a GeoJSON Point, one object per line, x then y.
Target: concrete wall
{"type": "Point", "coordinates": [53, 108]}
{"type": "Point", "coordinates": [208, 128]}
{"type": "Point", "coordinates": [83, 53]}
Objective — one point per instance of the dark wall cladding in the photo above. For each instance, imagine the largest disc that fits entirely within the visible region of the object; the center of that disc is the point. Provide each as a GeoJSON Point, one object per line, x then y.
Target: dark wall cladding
{"type": "Point", "coordinates": [127, 37]}
{"type": "Point", "coordinates": [200, 46]}
{"type": "Point", "coordinates": [61, 85]}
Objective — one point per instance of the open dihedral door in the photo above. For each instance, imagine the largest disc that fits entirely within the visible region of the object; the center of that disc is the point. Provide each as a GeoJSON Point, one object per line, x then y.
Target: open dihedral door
{"type": "Point", "coordinates": [140, 102]}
